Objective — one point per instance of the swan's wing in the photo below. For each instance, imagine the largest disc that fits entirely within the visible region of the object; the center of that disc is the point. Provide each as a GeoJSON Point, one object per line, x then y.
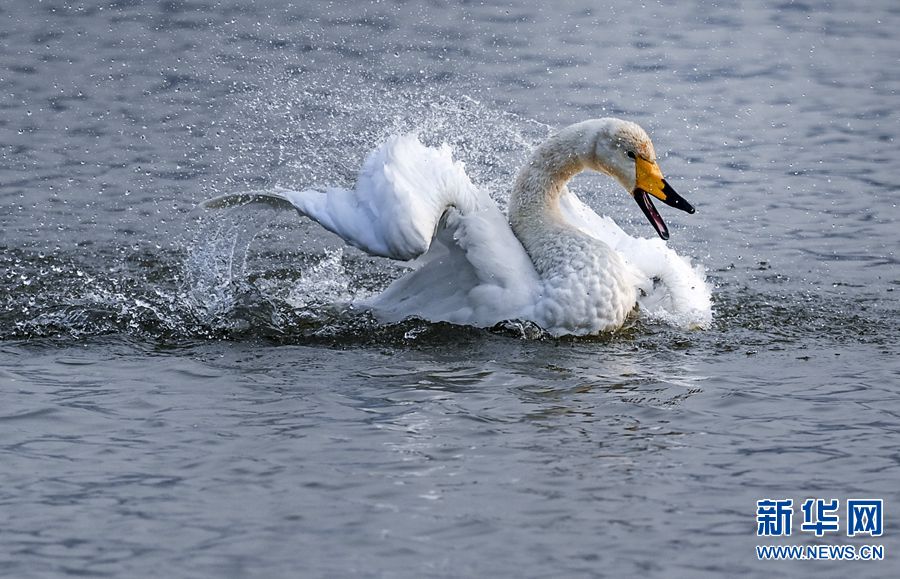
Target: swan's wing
{"type": "Point", "coordinates": [475, 273]}
{"type": "Point", "coordinates": [412, 201]}
{"type": "Point", "coordinates": [671, 289]}
{"type": "Point", "coordinates": [402, 192]}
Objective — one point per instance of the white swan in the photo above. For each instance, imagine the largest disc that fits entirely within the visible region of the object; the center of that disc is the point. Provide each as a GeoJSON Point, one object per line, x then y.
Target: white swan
{"type": "Point", "coordinates": [555, 262]}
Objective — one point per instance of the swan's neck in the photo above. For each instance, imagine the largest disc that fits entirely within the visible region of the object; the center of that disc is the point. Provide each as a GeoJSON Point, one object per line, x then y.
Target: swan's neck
{"type": "Point", "coordinates": [540, 183]}
{"type": "Point", "coordinates": [534, 202]}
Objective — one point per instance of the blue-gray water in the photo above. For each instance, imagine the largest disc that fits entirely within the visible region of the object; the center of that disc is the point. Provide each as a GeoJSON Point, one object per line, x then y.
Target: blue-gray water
{"type": "Point", "coordinates": [180, 398]}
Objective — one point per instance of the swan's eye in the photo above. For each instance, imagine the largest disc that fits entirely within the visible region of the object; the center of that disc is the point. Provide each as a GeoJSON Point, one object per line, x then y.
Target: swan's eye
{"type": "Point", "coordinates": [630, 154]}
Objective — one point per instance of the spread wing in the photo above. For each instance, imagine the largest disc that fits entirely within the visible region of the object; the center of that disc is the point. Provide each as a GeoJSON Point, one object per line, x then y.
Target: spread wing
{"type": "Point", "coordinates": [414, 202]}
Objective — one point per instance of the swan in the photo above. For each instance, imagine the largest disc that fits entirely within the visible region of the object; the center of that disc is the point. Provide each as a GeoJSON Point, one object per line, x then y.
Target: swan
{"type": "Point", "coordinates": [554, 261]}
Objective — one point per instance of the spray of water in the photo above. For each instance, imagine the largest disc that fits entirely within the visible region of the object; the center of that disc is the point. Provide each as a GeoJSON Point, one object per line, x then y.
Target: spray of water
{"type": "Point", "coordinates": [303, 134]}
{"type": "Point", "coordinates": [251, 272]}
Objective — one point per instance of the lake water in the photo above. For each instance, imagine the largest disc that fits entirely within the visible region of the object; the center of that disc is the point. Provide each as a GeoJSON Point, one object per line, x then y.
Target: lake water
{"type": "Point", "coordinates": [183, 394]}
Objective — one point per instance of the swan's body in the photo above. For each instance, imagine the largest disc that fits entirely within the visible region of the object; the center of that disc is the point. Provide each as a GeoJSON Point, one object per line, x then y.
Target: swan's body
{"type": "Point", "coordinates": [554, 261]}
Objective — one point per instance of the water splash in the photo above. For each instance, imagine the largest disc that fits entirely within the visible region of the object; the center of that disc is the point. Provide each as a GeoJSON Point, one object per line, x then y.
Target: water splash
{"type": "Point", "coordinates": [325, 284]}
{"type": "Point", "coordinates": [257, 274]}
{"type": "Point", "coordinates": [302, 298]}
{"type": "Point", "coordinates": [303, 132]}
{"type": "Point", "coordinates": [215, 269]}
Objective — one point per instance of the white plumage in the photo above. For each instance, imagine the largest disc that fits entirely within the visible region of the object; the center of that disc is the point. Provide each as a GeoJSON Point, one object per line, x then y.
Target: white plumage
{"type": "Point", "coordinates": [555, 262]}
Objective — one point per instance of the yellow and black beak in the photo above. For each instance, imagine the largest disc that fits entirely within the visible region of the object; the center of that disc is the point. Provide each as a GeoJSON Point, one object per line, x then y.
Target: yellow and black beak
{"type": "Point", "coordinates": [649, 181]}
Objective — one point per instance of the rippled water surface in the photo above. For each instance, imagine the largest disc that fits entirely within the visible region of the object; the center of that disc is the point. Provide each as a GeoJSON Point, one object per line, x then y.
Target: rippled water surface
{"type": "Point", "coordinates": [187, 394]}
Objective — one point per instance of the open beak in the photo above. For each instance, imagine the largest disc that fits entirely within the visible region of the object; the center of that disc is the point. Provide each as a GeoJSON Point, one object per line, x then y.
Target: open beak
{"type": "Point", "coordinates": [649, 182]}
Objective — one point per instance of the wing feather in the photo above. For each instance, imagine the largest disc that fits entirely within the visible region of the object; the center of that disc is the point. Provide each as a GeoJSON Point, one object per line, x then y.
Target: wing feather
{"type": "Point", "coordinates": [412, 201]}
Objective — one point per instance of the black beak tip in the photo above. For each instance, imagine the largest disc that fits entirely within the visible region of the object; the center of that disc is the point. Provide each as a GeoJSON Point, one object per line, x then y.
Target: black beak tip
{"type": "Point", "coordinates": [675, 200]}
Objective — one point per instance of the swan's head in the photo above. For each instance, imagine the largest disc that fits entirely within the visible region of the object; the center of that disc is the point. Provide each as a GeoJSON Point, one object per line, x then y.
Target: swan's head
{"type": "Point", "coordinates": [623, 149]}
